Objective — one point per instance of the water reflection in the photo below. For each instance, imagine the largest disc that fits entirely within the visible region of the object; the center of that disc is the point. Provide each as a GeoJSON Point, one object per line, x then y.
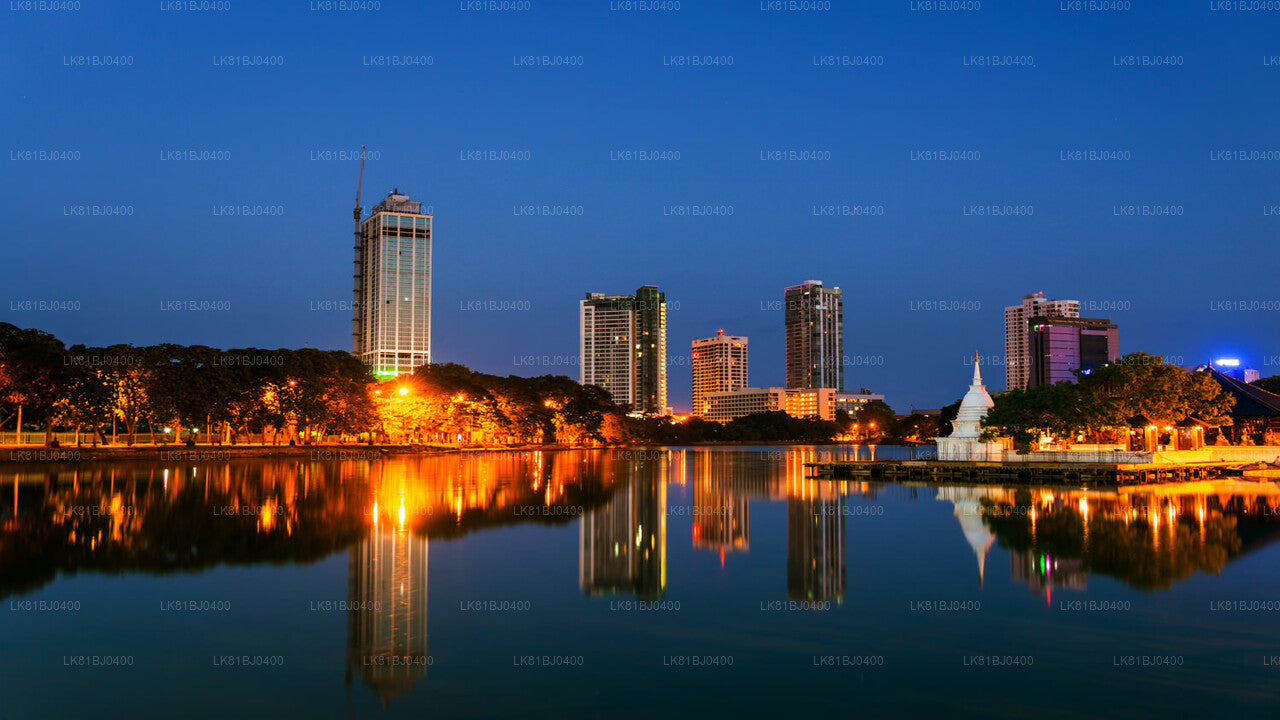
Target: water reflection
{"type": "Point", "coordinates": [1147, 536]}
{"type": "Point", "coordinates": [384, 512]}
{"type": "Point", "coordinates": [387, 606]}
{"type": "Point", "coordinates": [968, 511]}
{"type": "Point", "coordinates": [165, 518]}
{"type": "Point", "coordinates": [623, 545]}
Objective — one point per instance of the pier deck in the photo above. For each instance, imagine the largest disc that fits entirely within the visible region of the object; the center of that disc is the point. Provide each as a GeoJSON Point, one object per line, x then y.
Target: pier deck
{"type": "Point", "coordinates": [1015, 473]}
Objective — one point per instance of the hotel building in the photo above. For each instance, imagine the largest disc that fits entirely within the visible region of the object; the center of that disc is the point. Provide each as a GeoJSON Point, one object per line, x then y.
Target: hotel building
{"type": "Point", "coordinates": [391, 324]}
{"type": "Point", "coordinates": [623, 347]}
{"type": "Point", "coordinates": [719, 365]}
{"type": "Point", "coordinates": [814, 318]}
{"type": "Point", "coordinates": [820, 403]}
{"type": "Point", "coordinates": [1062, 345]}
{"type": "Point", "coordinates": [1017, 344]}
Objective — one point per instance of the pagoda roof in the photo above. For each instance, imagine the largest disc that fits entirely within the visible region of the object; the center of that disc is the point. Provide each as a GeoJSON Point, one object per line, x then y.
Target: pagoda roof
{"type": "Point", "coordinates": [1251, 400]}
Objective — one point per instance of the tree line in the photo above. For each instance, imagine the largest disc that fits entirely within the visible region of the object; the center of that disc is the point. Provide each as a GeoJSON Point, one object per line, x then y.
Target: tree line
{"type": "Point", "coordinates": [210, 395]}
{"type": "Point", "coordinates": [166, 389]}
{"type": "Point", "coordinates": [1104, 403]}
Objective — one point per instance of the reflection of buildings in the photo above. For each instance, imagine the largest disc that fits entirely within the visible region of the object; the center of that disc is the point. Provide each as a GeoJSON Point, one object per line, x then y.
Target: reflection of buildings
{"type": "Point", "coordinates": [721, 516]}
{"type": "Point", "coordinates": [1147, 536]}
{"type": "Point", "coordinates": [1045, 573]}
{"type": "Point", "coordinates": [815, 549]}
{"type": "Point", "coordinates": [387, 617]}
{"type": "Point", "coordinates": [623, 545]}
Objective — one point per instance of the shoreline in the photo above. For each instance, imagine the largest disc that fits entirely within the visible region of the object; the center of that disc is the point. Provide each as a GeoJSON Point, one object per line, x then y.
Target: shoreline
{"type": "Point", "coordinates": [23, 454]}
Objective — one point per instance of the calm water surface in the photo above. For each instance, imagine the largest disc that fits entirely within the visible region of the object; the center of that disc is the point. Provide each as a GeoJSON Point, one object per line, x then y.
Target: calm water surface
{"type": "Point", "coordinates": [625, 583]}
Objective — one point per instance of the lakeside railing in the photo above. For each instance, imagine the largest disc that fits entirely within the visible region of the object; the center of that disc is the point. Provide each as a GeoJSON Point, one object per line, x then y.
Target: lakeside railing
{"type": "Point", "coordinates": [86, 439]}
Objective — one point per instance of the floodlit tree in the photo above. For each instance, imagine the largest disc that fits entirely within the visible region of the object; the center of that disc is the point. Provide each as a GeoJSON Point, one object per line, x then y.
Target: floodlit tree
{"type": "Point", "coordinates": [1107, 399]}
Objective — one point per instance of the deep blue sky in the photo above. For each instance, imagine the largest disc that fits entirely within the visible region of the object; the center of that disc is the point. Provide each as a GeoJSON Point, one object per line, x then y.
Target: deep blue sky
{"type": "Point", "coordinates": [1165, 280]}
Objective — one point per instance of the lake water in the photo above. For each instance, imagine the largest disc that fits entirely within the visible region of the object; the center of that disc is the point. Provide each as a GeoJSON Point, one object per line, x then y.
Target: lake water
{"type": "Point", "coordinates": [708, 582]}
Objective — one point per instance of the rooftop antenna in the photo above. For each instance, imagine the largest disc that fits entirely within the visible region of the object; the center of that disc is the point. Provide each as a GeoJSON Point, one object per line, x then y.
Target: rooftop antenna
{"type": "Point", "coordinates": [356, 305]}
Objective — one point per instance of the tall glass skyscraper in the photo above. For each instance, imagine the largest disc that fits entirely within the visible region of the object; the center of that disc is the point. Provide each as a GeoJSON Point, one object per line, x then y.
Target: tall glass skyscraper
{"type": "Point", "coordinates": [392, 308]}
{"type": "Point", "coordinates": [814, 318]}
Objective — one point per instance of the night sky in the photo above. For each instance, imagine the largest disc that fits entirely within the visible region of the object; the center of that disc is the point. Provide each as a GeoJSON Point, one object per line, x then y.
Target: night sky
{"type": "Point", "coordinates": [944, 140]}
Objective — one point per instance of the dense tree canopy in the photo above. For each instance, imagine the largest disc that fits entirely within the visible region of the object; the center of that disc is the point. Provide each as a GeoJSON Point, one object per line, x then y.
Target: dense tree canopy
{"type": "Point", "coordinates": [178, 386]}
{"type": "Point", "coordinates": [206, 394]}
{"type": "Point", "coordinates": [1108, 398]}
{"type": "Point", "coordinates": [1270, 384]}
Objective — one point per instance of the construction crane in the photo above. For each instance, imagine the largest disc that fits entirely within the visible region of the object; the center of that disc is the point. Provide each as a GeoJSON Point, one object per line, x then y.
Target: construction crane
{"type": "Point", "coordinates": [358, 299]}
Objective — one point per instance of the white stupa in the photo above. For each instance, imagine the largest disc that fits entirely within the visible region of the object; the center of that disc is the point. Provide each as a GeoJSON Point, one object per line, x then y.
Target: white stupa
{"type": "Point", "coordinates": [963, 443]}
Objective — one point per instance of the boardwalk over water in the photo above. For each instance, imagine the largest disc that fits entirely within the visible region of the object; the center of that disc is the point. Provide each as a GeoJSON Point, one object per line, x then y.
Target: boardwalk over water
{"type": "Point", "coordinates": [1100, 474]}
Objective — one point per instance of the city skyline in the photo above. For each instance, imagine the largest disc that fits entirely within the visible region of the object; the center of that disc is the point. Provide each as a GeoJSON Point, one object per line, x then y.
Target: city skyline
{"type": "Point", "coordinates": [247, 215]}
{"type": "Point", "coordinates": [661, 347]}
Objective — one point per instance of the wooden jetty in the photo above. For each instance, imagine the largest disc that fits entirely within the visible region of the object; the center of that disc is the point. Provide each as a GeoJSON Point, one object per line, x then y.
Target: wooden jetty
{"type": "Point", "coordinates": [1014, 473]}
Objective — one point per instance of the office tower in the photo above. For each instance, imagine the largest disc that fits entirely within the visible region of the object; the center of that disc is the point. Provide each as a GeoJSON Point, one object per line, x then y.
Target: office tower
{"type": "Point", "coordinates": [719, 365]}
{"type": "Point", "coordinates": [1060, 346]}
{"type": "Point", "coordinates": [623, 347]}
{"type": "Point", "coordinates": [1017, 346]}
{"type": "Point", "coordinates": [814, 318]}
{"type": "Point", "coordinates": [392, 304]}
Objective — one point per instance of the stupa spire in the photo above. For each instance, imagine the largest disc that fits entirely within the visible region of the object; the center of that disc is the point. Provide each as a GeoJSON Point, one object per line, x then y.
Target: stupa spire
{"type": "Point", "coordinates": [977, 374]}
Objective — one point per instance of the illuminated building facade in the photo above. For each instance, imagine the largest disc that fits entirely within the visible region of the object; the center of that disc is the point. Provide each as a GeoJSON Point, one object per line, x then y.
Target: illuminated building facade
{"type": "Point", "coordinates": [814, 318]}
{"type": "Point", "coordinates": [719, 365]}
{"type": "Point", "coordinates": [1017, 346]}
{"type": "Point", "coordinates": [623, 347]}
{"type": "Point", "coordinates": [392, 306]}
{"type": "Point", "coordinates": [1062, 345]}
{"type": "Point", "coordinates": [820, 403]}
{"type": "Point", "coordinates": [726, 406]}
